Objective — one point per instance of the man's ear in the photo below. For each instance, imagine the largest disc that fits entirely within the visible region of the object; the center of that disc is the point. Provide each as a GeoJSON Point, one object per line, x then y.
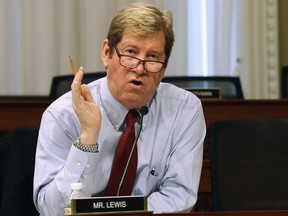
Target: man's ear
{"type": "Point", "coordinates": [105, 53]}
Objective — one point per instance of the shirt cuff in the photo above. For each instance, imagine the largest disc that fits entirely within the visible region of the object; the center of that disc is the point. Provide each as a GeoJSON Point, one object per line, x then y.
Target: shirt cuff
{"type": "Point", "coordinates": [81, 162]}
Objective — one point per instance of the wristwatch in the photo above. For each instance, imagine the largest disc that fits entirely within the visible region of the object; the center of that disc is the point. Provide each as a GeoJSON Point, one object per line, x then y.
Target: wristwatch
{"type": "Point", "coordinates": [86, 148]}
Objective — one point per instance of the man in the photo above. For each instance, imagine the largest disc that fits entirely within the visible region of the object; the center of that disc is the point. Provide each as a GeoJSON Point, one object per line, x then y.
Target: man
{"type": "Point", "coordinates": [170, 145]}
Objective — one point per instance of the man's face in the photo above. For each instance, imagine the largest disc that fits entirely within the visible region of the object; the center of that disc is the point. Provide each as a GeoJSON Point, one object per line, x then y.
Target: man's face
{"type": "Point", "coordinates": [134, 87]}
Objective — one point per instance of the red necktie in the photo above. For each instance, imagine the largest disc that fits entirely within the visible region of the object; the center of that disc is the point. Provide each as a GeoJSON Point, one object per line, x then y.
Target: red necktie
{"type": "Point", "coordinates": [121, 158]}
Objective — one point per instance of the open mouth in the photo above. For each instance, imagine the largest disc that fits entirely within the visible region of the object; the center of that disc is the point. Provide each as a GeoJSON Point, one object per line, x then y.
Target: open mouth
{"type": "Point", "coordinates": [136, 82]}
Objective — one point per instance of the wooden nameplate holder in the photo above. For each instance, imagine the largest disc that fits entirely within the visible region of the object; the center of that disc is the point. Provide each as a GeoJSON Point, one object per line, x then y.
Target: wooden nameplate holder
{"type": "Point", "coordinates": [108, 205]}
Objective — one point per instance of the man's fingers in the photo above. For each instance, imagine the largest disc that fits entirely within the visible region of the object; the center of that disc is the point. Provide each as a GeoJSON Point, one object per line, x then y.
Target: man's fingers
{"type": "Point", "coordinates": [87, 94]}
{"type": "Point", "coordinates": [76, 86]}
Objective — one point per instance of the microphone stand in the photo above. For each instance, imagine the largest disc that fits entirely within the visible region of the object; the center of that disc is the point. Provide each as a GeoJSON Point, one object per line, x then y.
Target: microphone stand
{"type": "Point", "coordinates": [143, 111]}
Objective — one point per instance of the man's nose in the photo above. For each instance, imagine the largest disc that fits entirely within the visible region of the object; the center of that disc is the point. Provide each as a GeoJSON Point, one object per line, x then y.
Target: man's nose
{"type": "Point", "coordinates": [140, 68]}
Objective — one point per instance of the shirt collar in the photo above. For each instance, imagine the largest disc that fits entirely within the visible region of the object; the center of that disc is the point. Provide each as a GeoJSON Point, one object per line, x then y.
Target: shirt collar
{"type": "Point", "coordinates": [115, 111]}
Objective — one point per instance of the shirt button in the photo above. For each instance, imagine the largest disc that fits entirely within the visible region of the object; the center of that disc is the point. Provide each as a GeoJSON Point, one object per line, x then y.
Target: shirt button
{"type": "Point", "coordinates": [78, 164]}
{"type": "Point", "coordinates": [87, 165]}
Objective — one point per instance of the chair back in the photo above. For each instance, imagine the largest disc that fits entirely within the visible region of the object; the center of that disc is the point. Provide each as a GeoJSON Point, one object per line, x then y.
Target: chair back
{"type": "Point", "coordinates": [62, 84]}
{"type": "Point", "coordinates": [284, 82]}
{"type": "Point", "coordinates": [230, 87]}
{"type": "Point", "coordinates": [17, 150]}
{"type": "Point", "coordinates": [249, 164]}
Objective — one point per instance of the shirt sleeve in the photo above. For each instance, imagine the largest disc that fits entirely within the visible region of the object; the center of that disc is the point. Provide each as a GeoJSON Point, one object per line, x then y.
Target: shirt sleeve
{"type": "Point", "coordinates": [179, 185]}
{"type": "Point", "coordinates": [58, 163]}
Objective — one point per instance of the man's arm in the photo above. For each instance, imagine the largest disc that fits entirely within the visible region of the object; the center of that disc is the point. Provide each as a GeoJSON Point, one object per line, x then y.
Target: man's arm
{"type": "Point", "coordinates": [179, 187]}
{"type": "Point", "coordinates": [58, 163]}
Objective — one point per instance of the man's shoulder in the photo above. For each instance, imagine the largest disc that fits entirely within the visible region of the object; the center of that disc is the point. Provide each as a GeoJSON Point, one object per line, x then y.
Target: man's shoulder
{"type": "Point", "coordinates": [170, 92]}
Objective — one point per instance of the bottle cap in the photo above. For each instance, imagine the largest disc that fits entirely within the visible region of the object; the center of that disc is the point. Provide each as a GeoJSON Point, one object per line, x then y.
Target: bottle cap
{"type": "Point", "coordinates": [76, 186]}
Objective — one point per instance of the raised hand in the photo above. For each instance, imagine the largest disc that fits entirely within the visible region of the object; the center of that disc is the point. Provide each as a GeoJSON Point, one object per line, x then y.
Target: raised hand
{"type": "Point", "coordinates": [86, 110]}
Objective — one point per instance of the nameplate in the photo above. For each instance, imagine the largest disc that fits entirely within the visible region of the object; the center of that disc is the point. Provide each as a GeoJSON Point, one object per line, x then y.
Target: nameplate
{"type": "Point", "coordinates": [205, 92]}
{"type": "Point", "coordinates": [113, 204]}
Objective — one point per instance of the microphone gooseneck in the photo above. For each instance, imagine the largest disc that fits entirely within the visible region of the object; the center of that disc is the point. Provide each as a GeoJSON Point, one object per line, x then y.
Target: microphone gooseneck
{"type": "Point", "coordinates": [143, 111]}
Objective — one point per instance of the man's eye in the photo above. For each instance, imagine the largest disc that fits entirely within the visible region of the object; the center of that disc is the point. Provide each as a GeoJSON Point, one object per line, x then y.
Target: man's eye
{"type": "Point", "coordinates": [153, 57]}
{"type": "Point", "coordinates": [130, 52]}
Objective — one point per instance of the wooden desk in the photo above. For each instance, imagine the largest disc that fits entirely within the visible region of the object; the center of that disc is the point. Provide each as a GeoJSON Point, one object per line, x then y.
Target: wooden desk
{"type": "Point", "coordinates": [255, 213]}
{"type": "Point", "coordinates": [27, 112]}
{"type": "Point", "coordinates": [259, 213]}
{"type": "Point", "coordinates": [19, 113]}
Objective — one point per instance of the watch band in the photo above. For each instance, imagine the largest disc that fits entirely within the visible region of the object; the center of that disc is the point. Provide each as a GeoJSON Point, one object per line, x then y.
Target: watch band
{"type": "Point", "coordinates": [86, 148]}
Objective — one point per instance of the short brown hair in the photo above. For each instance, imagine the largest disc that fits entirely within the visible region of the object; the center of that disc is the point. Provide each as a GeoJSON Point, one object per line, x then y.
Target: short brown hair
{"type": "Point", "coordinates": [142, 19]}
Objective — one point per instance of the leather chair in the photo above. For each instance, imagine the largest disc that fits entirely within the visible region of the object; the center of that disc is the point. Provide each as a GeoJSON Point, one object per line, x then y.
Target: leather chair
{"type": "Point", "coordinates": [62, 84]}
{"type": "Point", "coordinates": [249, 164]}
{"type": "Point", "coordinates": [17, 150]}
{"type": "Point", "coordinates": [229, 86]}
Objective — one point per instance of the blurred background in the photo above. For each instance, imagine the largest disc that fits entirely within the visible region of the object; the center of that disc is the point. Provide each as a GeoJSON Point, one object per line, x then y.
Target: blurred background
{"type": "Point", "coordinates": [245, 38]}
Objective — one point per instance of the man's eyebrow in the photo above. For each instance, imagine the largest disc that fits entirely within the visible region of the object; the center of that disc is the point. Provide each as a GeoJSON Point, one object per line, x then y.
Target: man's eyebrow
{"type": "Point", "coordinates": [125, 45]}
{"type": "Point", "coordinates": [160, 53]}
{"type": "Point", "coordinates": [152, 51]}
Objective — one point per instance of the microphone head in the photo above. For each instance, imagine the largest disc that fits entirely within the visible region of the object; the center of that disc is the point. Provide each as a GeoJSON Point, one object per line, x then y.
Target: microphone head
{"type": "Point", "coordinates": [143, 110]}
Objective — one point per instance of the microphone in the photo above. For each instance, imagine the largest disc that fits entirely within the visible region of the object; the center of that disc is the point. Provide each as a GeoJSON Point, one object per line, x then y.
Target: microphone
{"type": "Point", "coordinates": [143, 111]}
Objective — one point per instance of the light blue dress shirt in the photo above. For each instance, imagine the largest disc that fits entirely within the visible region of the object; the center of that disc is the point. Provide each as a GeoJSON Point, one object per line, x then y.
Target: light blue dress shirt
{"type": "Point", "coordinates": [170, 150]}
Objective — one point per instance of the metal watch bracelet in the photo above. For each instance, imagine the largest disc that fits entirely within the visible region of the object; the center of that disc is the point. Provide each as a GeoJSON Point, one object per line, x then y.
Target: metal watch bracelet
{"type": "Point", "coordinates": [86, 148]}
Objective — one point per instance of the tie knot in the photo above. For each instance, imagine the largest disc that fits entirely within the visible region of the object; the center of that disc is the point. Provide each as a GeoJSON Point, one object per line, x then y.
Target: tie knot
{"type": "Point", "coordinates": [131, 118]}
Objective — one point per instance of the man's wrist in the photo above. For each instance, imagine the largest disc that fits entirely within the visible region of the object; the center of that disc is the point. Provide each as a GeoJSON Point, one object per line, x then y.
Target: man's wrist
{"type": "Point", "coordinates": [89, 138]}
{"type": "Point", "coordinates": [85, 147]}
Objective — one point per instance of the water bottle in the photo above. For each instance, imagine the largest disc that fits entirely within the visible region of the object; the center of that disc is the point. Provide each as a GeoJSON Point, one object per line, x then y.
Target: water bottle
{"type": "Point", "coordinates": [76, 193]}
